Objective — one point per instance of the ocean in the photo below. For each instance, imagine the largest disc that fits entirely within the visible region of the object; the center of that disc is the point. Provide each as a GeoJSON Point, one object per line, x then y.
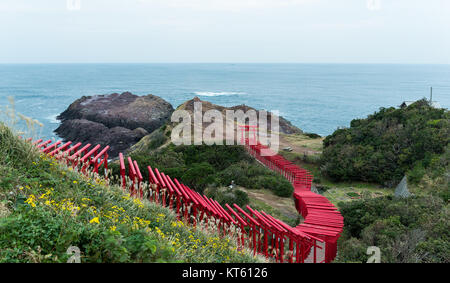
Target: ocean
{"type": "Point", "coordinates": [317, 98]}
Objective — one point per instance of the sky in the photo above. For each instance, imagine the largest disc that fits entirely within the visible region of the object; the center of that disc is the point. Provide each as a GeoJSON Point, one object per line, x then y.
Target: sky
{"type": "Point", "coordinates": [250, 31]}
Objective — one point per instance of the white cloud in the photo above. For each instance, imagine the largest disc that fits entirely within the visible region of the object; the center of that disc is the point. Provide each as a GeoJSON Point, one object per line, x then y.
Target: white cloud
{"type": "Point", "coordinates": [227, 5]}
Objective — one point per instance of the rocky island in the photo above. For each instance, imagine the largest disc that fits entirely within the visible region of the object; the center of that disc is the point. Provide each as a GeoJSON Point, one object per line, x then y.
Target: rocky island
{"type": "Point", "coordinates": [117, 120]}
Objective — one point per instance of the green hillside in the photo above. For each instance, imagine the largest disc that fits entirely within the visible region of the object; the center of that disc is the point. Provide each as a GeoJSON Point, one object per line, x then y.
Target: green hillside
{"type": "Point", "coordinates": [45, 208]}
{"type": "Point", "coordinates": [382, 148]}
{"type": "Point", "coordinates": [387, 145]}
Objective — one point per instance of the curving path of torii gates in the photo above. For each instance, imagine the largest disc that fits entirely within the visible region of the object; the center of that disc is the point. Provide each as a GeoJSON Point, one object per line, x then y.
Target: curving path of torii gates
{"type": "Point", "coordinates": [314, 240]}
{"type": "Point", "coordinates": [320, 217]}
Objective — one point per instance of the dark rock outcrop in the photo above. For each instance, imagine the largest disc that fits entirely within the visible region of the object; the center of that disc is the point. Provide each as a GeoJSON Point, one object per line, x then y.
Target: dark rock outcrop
{"type": "Point", "coordinates": [117, 120]}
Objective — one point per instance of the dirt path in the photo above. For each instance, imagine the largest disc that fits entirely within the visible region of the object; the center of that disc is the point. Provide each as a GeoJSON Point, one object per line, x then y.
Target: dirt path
{"type": "Point", "coordinates": [301, 144]}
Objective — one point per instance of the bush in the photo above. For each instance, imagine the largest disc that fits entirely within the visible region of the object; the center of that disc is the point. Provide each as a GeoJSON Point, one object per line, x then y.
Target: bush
{"type": "Point", "coordinates": [386, 145]}
{"type": "Point", "coordinates": [228, 196]}
{"type": "Point", "coordinates": [254, 176]}
{"type": "Point", "coordinates": [351, 250]}
{"type": "Point", "coordinates": [199, 175]}
{"type": "Point", "coordinates": [402, 228]}
{"type": "Point", "coordinates": [158, 139]}
{"type": "Point", "coordinates": [168, 161]}
{"type": "Point", "coordinates": [352, 194]}
{"type": "Point", "coordinates": [417, 173]}
{"type": "Point", "coordinates": [312, 135]}
{"type": "Point", "coordinates": [218, 156]}
{"type": "Point", "coordinates": [279, 186]}
{"type": "Point", "coordinates": [13, 151]}
{"type": "Point", "coordinates": [200, 166]}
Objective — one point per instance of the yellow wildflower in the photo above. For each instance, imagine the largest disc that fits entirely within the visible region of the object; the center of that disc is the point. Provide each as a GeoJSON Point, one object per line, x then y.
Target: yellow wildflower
{"type": "Point", "coordinates": [94, 220]}
{"type": "Point", "coordinates": [31, 200]}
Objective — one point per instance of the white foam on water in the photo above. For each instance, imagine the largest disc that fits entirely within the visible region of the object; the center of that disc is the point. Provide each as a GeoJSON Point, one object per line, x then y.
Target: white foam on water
{"type": "Point", "coordinates": [220, 93]}
{"type": "Point", "coordinates": [52, 119]}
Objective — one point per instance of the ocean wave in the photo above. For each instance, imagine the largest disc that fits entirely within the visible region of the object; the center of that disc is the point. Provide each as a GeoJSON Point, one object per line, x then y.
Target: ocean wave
{"type": "Point", "coordinates": [52, 119]}
{"type": "Point", "coordinates": [220, 93]}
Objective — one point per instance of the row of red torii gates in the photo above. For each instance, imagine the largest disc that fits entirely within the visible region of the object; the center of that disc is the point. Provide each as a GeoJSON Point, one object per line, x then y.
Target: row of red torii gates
{"type": "Point", "coordinates": [314, 240]}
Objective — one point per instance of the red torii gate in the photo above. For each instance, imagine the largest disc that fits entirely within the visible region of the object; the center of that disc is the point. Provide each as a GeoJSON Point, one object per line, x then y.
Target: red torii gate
{"type": "Point", "coordinates": [321, 217]}
{"type": "Point", "coordinates": [248, 129]}
{"type": "Point", "coordinates": [259, 231]}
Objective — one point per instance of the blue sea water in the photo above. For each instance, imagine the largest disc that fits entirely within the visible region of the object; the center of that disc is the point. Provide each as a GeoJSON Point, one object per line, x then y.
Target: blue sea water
{"type": "Point", "coordinates": [315, 97]}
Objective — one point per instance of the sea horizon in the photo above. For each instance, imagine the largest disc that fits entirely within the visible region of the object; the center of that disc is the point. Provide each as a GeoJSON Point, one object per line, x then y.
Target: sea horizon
{"type": "Point", "coordinates": [221, 63]}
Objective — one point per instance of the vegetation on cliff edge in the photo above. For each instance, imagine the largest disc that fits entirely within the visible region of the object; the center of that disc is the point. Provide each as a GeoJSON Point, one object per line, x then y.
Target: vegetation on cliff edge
{"type": "Point", "coordinates": [387, 145]}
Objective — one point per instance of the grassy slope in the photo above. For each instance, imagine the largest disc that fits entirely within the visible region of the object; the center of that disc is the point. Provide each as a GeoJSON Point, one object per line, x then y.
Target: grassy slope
{"type": "Point", "coordinates": [306, 153]}
{"type": "Point", "coordinates": [46, 207]}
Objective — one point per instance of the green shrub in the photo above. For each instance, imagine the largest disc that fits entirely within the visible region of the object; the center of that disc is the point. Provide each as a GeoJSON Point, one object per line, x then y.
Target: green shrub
{"type": "Point", "coordinates": [158, 139]}
{"type": "Point", "coordinates": [386, 145]}
{"type": "Point", "coordinates": [203, 165]}
{"type": "Point", "coordinates": [228, 196]}
{"type": "Point", "coordinates": [14, 151]}
{"type": "Point", "coordinates": [199, 175]}
{"type": "Point", "coordinates": [312, 135]}
{"type": "Point", "coordinates": [219, 157]}
{"type": "Point", "coordinates": [417, 173]}
{"type": "Point", "coordinates": [353, 194]}
{"type": "Point", "coordinates": [351, 250]}
{"type": "Point", "coordinates": [406, 230]}
{"type": "Point", "coordinates": [167, 161]}
{"type": "Point", "coordinates": [279, 186]}
{"type": "Point", "coordinates": [254, 176]}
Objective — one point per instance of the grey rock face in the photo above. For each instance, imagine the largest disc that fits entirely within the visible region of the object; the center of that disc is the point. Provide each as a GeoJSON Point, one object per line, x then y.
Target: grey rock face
{"type": "Point", "coordinates": [121, 110]}
{"type": "Point", "coordinates": [117, 120]}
